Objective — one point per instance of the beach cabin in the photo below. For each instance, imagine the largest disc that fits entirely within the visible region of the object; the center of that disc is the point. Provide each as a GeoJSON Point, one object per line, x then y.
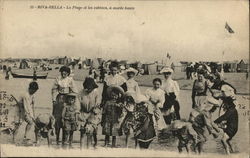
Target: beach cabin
{"type": "Point", "coordinates": [243, 66]}
{"type": "Point", "coordinates": [230, 66]}
{"type": "Point", "coordinates": [150, 68]}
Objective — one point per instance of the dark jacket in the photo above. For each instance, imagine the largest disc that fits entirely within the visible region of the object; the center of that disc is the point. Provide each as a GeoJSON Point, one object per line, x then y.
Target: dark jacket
{"type": "Point", "coordinates": [231, 118]}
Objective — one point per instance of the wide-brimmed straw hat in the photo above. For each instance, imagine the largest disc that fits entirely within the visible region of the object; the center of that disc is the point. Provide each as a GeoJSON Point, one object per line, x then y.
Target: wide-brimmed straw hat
{"type": "Point", "coordinates": [132, 70]}
{"type": "Point", "coordinates": [116, 89]}
{"type": "Point", "coordinates": [166, 70]}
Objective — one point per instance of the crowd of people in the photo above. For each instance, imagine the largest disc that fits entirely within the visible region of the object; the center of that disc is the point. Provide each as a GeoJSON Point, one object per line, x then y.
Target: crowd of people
{"type": "Point", "coordinates": [122, 108]}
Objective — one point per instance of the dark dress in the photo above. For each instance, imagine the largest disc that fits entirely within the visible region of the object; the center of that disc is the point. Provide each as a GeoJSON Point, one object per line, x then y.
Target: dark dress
{"type": "Point", "coordinates": [144, 126]}
{"type": "Point", "coordinates": [111, 114]}
{"type": "Point", "coordinates": [231, 118]}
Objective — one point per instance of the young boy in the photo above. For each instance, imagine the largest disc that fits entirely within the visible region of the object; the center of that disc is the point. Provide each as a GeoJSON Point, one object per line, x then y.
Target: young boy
{"type": "Point", "coordinates": [69, 115]}
{"type": "Point", "coordinates": [26, 103]}
{"type": "Point", "coordinates": [185, 133]}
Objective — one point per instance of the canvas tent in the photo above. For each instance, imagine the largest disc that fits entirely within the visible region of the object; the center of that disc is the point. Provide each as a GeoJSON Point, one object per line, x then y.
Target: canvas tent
{"type": "Point", "coordinates": [24, 64]}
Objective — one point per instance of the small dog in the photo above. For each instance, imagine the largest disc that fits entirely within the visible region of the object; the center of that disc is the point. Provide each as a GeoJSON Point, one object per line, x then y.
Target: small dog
{"type": "Point", "coordinates": [44, 127]}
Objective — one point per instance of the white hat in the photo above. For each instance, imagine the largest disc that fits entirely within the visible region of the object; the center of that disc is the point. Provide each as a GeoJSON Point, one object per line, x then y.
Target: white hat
{"type": "Point", "coordinates": [228, 91]}
{"type": "Point", "coordinates": [132, 70]}
{"type": "Point", "coordinates": [141, 98]}
{"type": "Point", "coordinates": [166, 69]}
{"type": "Point", "coordinates": [122, 67]}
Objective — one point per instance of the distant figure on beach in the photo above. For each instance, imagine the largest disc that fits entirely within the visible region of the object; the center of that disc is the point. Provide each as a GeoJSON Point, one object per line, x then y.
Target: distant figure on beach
{"type": "Point", "coordinates": [62, 86]}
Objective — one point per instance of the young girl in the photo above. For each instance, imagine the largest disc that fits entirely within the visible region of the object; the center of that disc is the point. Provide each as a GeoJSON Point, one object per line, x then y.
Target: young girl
{"type": "Point", "coordinates": [112, 115]}
{"type": "Point", "coordinates": [69, 118]}
{"type": "Point", "coordinates": [156, 97]}
{"type": "Point", "coordinates": [144, 124]}
{"type": "Point", "coordinates": [131, 84]}
{"type": "Point", "coordinates": [128, 109]}
{"type": "Point", "coordinates": [89, 101]}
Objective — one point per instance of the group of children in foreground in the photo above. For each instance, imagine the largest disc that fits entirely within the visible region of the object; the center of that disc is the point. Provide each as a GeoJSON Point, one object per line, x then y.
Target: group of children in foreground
{"type": "Point", "coordinates": [122, 110]}
{"type": "Point", "coordinates": [138, 116]}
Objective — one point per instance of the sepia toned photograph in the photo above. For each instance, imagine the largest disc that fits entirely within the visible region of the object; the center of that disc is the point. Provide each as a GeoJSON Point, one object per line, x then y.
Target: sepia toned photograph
{"type": "Point", "coordinates": [132, 78]}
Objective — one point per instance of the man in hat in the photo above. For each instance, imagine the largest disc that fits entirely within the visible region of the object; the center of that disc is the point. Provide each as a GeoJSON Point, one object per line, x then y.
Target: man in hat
{"type": "Point", "coordinates": [172, 90]}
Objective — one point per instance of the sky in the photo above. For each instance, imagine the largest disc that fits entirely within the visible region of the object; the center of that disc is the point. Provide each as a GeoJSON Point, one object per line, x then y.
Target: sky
{"type": "Point", "coordinates": [187, 30]}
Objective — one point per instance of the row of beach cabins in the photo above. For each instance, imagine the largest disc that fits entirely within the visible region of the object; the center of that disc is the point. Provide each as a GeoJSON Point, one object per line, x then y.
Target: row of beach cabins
{"type": "Point", "coordinates": [147, 67]}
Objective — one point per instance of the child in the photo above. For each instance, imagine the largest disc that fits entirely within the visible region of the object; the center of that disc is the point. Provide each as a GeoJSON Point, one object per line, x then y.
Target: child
{"type": "Point", "coordinates": [112, 115]}
{"type": "Point", "coordinates": [69, 115]}
{"type": "Point", "coordinates": [90, 114]}
{"type": "Point", "coordinates": [156, 97]}
{"type": "Point", "coordinates": [131, 84]}
{"type": "Point", "coordinates": [201, 120]}
{"type": "Point", "coordinates": [185, 133]}
{"type": "Point", "coordinates": [129, 106]}
{"type": "Point", "coordinates": [44, 127]}
{"type": "Point", "coordinates": [144, 124]}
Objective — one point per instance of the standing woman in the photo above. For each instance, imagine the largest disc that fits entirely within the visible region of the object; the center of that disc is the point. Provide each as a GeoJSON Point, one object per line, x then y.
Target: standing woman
{"type": "Point", "coordinates": [172, 90]}
{"type": "Point", "coordinates": [199, 91]}
{"type": "Point", "coordinates": [63, 85]}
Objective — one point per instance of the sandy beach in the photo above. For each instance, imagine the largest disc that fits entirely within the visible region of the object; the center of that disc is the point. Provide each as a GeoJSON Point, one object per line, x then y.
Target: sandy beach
{"type": "Point", "coordinates": [43, 105]}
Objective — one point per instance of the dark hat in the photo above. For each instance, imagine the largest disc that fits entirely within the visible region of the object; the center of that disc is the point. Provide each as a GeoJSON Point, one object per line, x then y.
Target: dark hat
{"type": "Point", "coordinates": [65, 68]}
{"type": "Point", "coordinates": [89, 83]}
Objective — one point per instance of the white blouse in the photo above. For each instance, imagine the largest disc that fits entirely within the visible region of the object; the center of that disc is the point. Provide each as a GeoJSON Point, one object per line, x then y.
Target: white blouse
{"type": "Point", "coordinates": [171, 86]}
{"type": "Point", "coordinates": [156, 95]}
{"type": "Point", "coordinates": [63, 86]}
{"type": "Point", "coordinates": [132, 86]}
{"type": "Point", "coordinates": [116, 80]}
